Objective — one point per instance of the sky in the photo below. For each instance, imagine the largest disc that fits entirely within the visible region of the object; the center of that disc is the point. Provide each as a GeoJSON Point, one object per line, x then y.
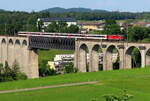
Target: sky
{"type": "Point", "coordinates": [111, 5]}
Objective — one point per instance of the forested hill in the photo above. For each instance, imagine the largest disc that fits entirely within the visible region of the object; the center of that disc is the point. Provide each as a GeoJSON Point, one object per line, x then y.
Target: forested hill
{"type": "Point", "coordinates": [63, 10]}
{"type": "Point", "coordinates": [1, 10]}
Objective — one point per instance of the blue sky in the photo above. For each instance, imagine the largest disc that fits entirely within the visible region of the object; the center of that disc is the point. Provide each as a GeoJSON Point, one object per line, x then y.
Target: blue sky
{"type": "Point", "coordinates": [111, 5]}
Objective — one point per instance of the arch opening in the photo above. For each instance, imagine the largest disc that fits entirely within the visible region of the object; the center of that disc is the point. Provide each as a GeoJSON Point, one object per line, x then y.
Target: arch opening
{"type": "Point", "coordinates": [17, 42]}
{"type": "Point", "coordinates": [112, 58]}
{"type": "Point", "coordinates": [132, 58]}
{"type": "Point", "coordinates": [10, 42]}
{"type": "Point", "coordinates": [24, 43]}
{"type": "Point", "coordinates": [3, 41]}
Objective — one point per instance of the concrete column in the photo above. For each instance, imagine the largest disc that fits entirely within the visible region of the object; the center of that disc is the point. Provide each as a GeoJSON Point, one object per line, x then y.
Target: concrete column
{"type": "Point", "coordinates": [11, 55]}
{"type": "Point", "coordinates": [109, 61]}
{"type": "Point", "coordinates": [76, 55]}
{"type": "Point", "coordinates": [33, 64]}
{"type": "Point", "coordinates": [104, 60]}
{"type": "Point", "coordinates": [128, 61]}
{"type": "Point", "coordinates": [82, 60]}
{"type": "Point", "coordinates": [94, 61]}
{"type": "Point", "coordinates": [121, 56]}
{"type": "Point", "coordinates": [148, 58]}
{"type": "Point", "coordinates": [143, 58]}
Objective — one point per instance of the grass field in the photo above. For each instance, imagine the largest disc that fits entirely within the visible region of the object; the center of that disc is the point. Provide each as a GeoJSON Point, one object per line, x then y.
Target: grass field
{"type": "Point", "coordinates": [135, 81]}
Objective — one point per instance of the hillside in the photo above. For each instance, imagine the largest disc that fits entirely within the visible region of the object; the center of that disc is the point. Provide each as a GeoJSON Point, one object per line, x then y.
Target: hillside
{"type": "Point", "coordinates": [1, 10]}
{"type": "Point", "coordinates": [63, 10]}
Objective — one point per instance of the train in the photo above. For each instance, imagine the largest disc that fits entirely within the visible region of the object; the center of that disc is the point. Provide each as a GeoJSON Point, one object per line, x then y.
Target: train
{"type": "Point", "coordinates": [73, 35]}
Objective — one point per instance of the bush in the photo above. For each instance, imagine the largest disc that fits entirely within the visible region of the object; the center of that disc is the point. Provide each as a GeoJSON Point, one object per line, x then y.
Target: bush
{"type": "Point", "coordinates": [8, 74]}
{"type": "Point", "coordinates": [45, 69]}
{"type": "Point", "coordinates": [69, 67]}
{"type": "Point", "coordinates": [21, 76]}
{"type": "Point", "coordinates": [124, 97]}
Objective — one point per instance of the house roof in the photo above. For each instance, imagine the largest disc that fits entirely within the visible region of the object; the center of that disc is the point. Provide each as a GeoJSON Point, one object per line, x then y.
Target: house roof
{"type": "Point", "coordinates": [91, 23]}
{"type": "Point", "coordinates": [142, 23]}
{"type": "Point", "coordinates": [58, 19]}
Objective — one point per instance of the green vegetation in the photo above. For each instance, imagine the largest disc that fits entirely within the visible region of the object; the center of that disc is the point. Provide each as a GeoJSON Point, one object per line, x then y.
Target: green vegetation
{"type": "Point", "coordinates": [69, 68]}
{"type": "Point", "coordinates": [138, 33]}
{"type": "Point", "coordinates": [111, 27]}
{"type": "Point", "coordinates": [8, 73]}
{"type": "Point", "coordinates": [12, 22]}
{"type": "Point", "coordinates": [135, 81]}
{"type": "Point", "coordinates": [61, 27]}
{"type": "Point", "coordinates": [45, 70]}
{"type": "Point", "coordinates": [124, 97]}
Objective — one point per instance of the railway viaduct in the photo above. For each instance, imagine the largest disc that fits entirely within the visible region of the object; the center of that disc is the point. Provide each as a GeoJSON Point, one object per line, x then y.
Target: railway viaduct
{"type": "Point", "coordinates": [124, 49]}
{"type": "Point", "coordinates": [24, 51]}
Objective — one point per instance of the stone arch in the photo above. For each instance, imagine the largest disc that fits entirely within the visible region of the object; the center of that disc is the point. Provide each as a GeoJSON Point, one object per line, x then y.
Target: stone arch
{"type": "Point", "coordinates": [128, 56]}
{"type": "Point", "coordinates": [24, 43]}
{"type": "Point", "coordinates": [4, 41]}
{"type": "Point", "coordinates": [95, 57]}
{"type": "Point", "coordinates": [17, 43]}
{"type": "Point", "coordinates": [11, 42]}
{"type": "Point", "coordinates": [111, 56]}
{"type": "Point", "coordinates": [147, 57]}
{"type": "Point", "coordinates": [83, 63]}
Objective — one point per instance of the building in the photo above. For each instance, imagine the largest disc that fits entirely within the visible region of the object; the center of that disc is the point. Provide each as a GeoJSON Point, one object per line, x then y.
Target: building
{"type": "Point", "coordinates": [89, 26]}
{"type": "Point", "coordinates": [47, 21]}
{"type": "Point", "coordinates": [52, 65]}
{"type": "Point", "coordinates": [142, 24]}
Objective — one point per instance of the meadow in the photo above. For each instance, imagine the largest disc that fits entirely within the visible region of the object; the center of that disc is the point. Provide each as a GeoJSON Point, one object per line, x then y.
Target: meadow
{"type": "Point", "coordinates": [135, 81]}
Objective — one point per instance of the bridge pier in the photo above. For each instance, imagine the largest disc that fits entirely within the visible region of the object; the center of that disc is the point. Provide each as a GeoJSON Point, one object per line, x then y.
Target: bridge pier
{"type": "Point", "coordinates": [143, 58]}
{"type": "Point", "coordinates": [121, 57]}
{"type": "Point", "coordinates": [33, 64]}
{"type": "Point", "coordinates": [147, 57]}
{"type": "Point", "coordinates": [94, 61]}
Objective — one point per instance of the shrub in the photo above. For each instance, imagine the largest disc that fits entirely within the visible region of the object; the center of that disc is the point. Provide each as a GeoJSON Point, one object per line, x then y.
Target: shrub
{"type": "Point", "coordinates": [8, 74]}
{"type": "Point", "coordinates": [69, 67]}
{"type": "Point", "coordinates": [45, 69]}
{"type": "Point", "coordinates": [21, 76]}
{"type": "Point", "coordinates": [124, 97]}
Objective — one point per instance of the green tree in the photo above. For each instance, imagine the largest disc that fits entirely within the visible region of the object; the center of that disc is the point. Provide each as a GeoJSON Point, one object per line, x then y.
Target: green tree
{"type": "Point", "coordinates": [53, 27]}
{"type": "Point", "coordinates": [45, 69]}
{"type": "Point", "coordinates": [73, 29]}
{"type": "Point", "coordinates": [138, 33]}
{"type": "Point", "coordinates": [40, 25]}
{"type": "Point", "coordinates": [111, 27]}
{"type": "Point", "coordinates": [69, 67]}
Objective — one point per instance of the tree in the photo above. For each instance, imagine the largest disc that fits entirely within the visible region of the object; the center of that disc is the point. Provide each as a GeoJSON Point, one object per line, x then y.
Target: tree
{"type": "Point", "coordinates": [111, 27]}
{"type": "Point", "coordinates": [45, 69]}
{"type": "Point", "coordinates": [40, 25]}
{"type": "Point", "coordinates": [138, 33]}
{"type": "Point", "coordinates": [69, 67]}
{"type": "Point", "coordinates": [73, 29]}
{"type": "Point", "coordinates": [61, 27]}
{"type": "Point", "coordinates": [53, 27]}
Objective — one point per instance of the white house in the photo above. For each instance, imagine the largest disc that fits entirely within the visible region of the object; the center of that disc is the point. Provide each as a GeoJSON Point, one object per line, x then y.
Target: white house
{"type": "Point", "coordinates": [47, 21]}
